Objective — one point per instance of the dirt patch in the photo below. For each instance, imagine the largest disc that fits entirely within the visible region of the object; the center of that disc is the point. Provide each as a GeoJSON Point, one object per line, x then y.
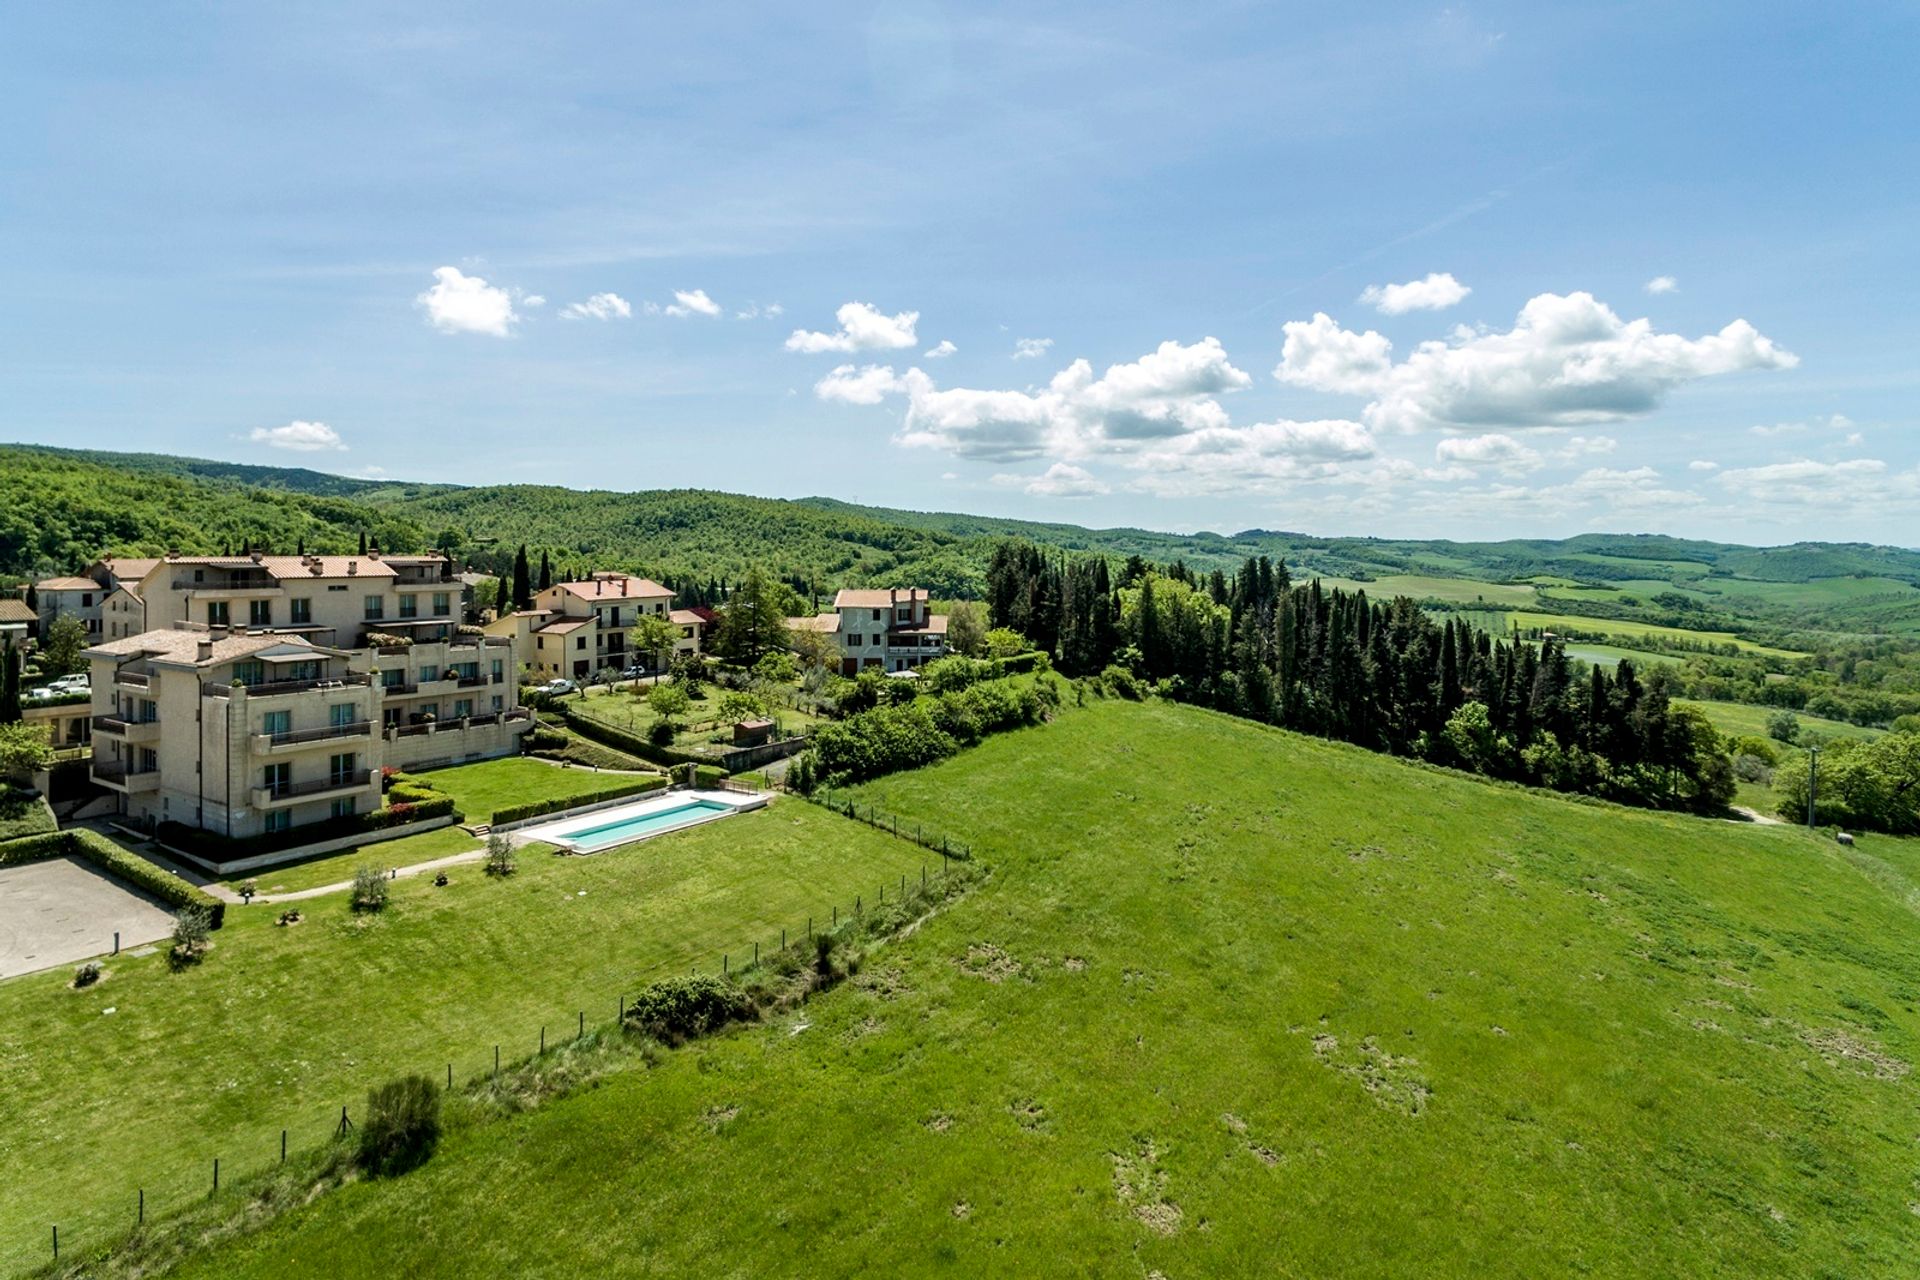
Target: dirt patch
{"type": "Point", "coordinates": [1073, 964]}
{"type": "Point", "coordinates": [888, 984]}
{"type": "Point", "coordinates": [1234, 1122]}
{"type": "Point", "coordinates": [939, 1122]}
{"type": "Point", "coordinates": [1265, 1155]}
{"type": "Point", "coordinates": [1393, 1080]}
{"type": "Point", "coordinates": [719, 1117]}
{"type": "Point", "coordinates": [1837, 1045]}
{"type": "Point", "coordinates": [1030, 1114]}
{"type": "Point", "coordinates": [961, 1208]}
{"type": "Point", "coordinates": [1140, 1184]}
{"type": "Point", "coordinates": [984, 960]}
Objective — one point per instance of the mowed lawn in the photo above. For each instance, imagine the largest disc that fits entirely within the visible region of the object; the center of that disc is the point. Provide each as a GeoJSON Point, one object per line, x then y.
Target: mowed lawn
{"type": "Point", "coordinates": [1741, 719]}
{"type": "Point", "coordinates": [144, 1080]}
{"type": "Point", "coordinates": [481, 788]}
{"type": "Point", "coordinates": [1236, 1002]}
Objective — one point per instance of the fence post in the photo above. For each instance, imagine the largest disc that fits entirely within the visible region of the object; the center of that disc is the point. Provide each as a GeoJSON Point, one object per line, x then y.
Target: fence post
{"type": "Point", "coordinates": [583, 1022]}
{"type": "Point", "coordinates": [56, 1244]}
{"type": "Point", "coordinates": [143, 1207]}
{"type": "Point", "coordinates": [496, 1062]}
{"type": "Point", "coordinates": [449, 1077]}
{"type": "Point", "coordinates": [783, 938]}
{"type": "Point", "coordinates": [723, 962]}
{"type": "Point", "coordinates": [756, 953]}
{"type": "Point", "coordinates": [543, 1039]}
{"type": "Point", "coordinates": [836, 916]}
{"type": "Point", "coordinates": [216, 1173]}
{"type": "Point", "coordinates": [116, 942]}
{"type": "Point", "coordinates": [283, 1146]}
{"type": "Point", "coordinates": [809, 928]}
{"type": "Point", "coordinates": [856, 904]}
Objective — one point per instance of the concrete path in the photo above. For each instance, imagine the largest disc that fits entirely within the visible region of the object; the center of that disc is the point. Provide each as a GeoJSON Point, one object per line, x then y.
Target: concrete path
{"type": "Point", "coordinates": [63, 910]}
{"type": "Point", "coordinates": [402, 873]}
{"type": "Point", "coordinates": [1754, 815]}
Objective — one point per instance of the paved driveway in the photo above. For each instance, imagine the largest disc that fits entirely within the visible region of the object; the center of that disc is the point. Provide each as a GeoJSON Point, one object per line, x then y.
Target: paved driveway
{"type": "Point", "coordinates": [63, 911]}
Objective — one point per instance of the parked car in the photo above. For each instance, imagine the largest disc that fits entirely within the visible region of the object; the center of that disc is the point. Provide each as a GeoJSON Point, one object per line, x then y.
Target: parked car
{"type": "Point", "coordinates": [634, 673]}
{"type": "Point", "coordinates": [78, 682]}
{"type": "Point", "coordinates": [559, 686]}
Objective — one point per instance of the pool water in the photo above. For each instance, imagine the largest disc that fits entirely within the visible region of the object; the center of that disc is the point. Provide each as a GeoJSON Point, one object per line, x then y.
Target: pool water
{"type": "Point", "coordinates": [606, 835]}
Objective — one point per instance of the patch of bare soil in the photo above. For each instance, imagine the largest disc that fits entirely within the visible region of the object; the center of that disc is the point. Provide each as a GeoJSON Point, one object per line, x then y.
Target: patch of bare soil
{"type": "Point", "coordinates": [984, 960]}
{"type": "Point", "coordinates": [1838, 1045]}
{"type": "Point", "coordinates": [1393, 1080]}
{"type": "Point", "coordinates": [1140, 1184]}
{"type": "Point", "coordinates": [1030, 1114]}
{"type": "Point", "coordinates": [718, 1117]}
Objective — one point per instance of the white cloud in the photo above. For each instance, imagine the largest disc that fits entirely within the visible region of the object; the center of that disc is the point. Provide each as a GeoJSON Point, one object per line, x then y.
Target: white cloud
{"type": "Point", "coordinates": [533, 300]}
{"type": "Point", "coordinates": [1031, 348]}
{"type": "Point", "coordinates": [1259, 456]}
{"type": "Point", "coordinates": [1584, 446]}
{"type": "Point", "coordinates": [1318, 353]}
{"type": "Point", "coordinates": [601, 306]}
{"type": "Point", "coordinates": [1495, 449]}
{"type": "Point", "coordinates": [850, 385]}
{"type": "Point", "coordinates": [862, 328]}
{"type": "Point", "coordinates": [1806, 483]}
{"type": "Point", "coordinates": [1662, 284]}
{"type": "Point", "coordinates": [1701, 464]}
{"type": "Point", "coordinates": [1435, 293]}
{"type": "Point", "coordinates": [1568, 361]}
{"type": "Point", "coordinates": [1064, 480]}
{"type": "Point", "coordinates": [686, 302]}
{"type": "Point", "coordinates": [940, 351]}
{"type": "Point", "coordinates": [754, 311]}
{"type": "Point", "coordinates": [460, 303]}
{"type": "Point", "coordinates": [300, 437]}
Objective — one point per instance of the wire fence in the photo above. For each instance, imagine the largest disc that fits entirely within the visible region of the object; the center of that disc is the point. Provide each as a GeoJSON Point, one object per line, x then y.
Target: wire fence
{"type": "Point", "coordinates": [535, 1040]}
{"type": "Point", "coordinates": [928, 838]}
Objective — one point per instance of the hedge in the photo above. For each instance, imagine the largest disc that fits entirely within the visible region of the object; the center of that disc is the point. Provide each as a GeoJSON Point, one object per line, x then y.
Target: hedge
{"type": "Point", "coordinates": [905, 736]}
{"type": "Point", "coordinates": [116, 862]}
{"type": "Point", "coordinates": [533, 809]}
{"type": "Point", "coordinates": [23, 815]}
{"type": "Point", "coordinates": [217, 848]}
{"type": "Point", "coordinates": [708, 775]}
{"type": "Point", "coordinates": [620, 740]}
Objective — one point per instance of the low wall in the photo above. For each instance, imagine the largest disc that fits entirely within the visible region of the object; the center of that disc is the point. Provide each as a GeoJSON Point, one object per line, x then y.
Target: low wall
{"type": "Point", "coordinates": [575, 812]}
{"type": "Point", "coordinates": [745, 758]}
{"type": "Point", "coordinates": [263, 860]}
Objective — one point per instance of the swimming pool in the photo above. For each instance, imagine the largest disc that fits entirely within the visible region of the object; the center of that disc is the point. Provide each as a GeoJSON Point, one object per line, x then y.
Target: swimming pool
{"type": "Point", "coordinates": [592, 833]}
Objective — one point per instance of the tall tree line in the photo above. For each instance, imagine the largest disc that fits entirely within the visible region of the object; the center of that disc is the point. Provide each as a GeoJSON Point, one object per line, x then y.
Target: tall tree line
{"type": "Point", "coordinates": [1386, 676]}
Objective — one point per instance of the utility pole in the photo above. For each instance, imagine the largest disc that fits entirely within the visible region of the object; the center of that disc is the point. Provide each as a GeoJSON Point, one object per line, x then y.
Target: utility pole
{"type": "Point", "coordinates": [1813, 783]}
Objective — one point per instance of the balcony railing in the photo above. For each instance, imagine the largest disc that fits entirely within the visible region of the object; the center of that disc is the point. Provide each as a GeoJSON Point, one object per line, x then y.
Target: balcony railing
{"type": "Point", "coordinates": [325, 733]}
{"type": "Point", "coordinates": [273, 688]}
{"type": "Point", "coordinates": [121, 725]}
{"type": "Point", "coordinates": [284, 792]}
{"type": "Point", "coordinates": [133, 679]}
{"type": "Point", "coordinates": [125, 775]}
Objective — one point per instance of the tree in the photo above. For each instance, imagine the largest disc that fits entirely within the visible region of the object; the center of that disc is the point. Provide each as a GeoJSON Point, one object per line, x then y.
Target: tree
{"type": "Point", "coordinates": [522, 582]}
{"type": "Point", "coordinates": [669, 702]}
{"type": "Point", "coordinates": [753, 619]}
{"type": "Point", "coordinates": [503, 596]}
{"type": "Point", "coordinates": [546, 571]}
{"type": "Point", "coordinates": [966, 629]}
{"type": "Point", "coordinates": [23, 749]}
{"type": "Point", "coordinates": [61, 651]}
{"type": "Point", "coordinates": [653, 636]}
{"type": "Point", "coordinates": [1783, 726]}
{"type": "Point", "coordinates": [1005, 642]}
{"type": "Point", "coordinates": [10, 684]}
{"type": "Point", "coordinates": [33, 599]}
{"type": "Point", "coordinates": [363, 542]}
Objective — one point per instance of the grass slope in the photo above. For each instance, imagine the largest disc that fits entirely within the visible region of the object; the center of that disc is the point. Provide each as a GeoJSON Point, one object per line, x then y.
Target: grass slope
{"type": "Point", "coordinates": [1236, 1002]}
{"type": "Point", "coordinates": [279, 1027]}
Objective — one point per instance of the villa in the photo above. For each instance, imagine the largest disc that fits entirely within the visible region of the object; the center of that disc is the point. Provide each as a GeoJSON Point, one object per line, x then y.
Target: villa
{"type": "Point", "coordinates": [577, 628]}
{"type": "Point", "coordinates": [892, 629]}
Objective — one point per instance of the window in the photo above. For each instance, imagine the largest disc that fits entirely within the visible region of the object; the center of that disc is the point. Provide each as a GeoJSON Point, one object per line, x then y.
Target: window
{"type": "Point", "coordinates": [216, 613]}
{"type": "Point", "coordinates": [260, 613]}
{"type": "Point", "coordinates": [302, 611]}
{"type": "Point", "coordinates": [340, 769]}
{"type": "Point", "coordinates": [341, 713]}
{"type": "Point", "coordinates": [343, 806]}
{"type": "Point", "coordinates": [276, 778]}
{"type": "Point", "coordinates": [199, 575]}
{"type": "Point", "coordinates": [440, 604]}
{"type": "Point", "coordinates": [393, 677]}
{"type": "Point", "coordinates": [581, 643]}
{"type": "Point", "coordinates": [462, 708]}
{"type": "Point", "coordinates": [876, 615]}
{"type": "Point", "coordinates": [499, 703]}
{"type": "Point", "coordinates": [876, 642]}
{"type": "Point", "coordinates": [390, 717]}
{"type": "Point", "coordinates": [376, 607]}
{"type": "Point", "coordinates": [409, 606]}
{"type": "Point", "coordinates": [279, 820]}
{"type": "Point", "coordinates": [499, 670]}
{"type": "Point", "coordinates": [855, 640]}
{"type": "Point", "coordinates": [249, 673]}
{"type": "Point", "coordinates": [277, 722]}
{"type": "Point", "coordinates": [86, 599]}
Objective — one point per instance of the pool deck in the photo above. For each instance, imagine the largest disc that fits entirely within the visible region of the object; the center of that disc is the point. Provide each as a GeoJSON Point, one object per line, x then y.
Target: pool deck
{"type": "Point", "coordinates": [563, 833]}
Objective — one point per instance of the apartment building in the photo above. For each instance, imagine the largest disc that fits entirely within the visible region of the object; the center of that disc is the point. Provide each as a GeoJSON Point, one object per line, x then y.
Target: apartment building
{"type": "Point", "coordinates": [892, 629]}
{"type": "Point", "coordinates": [86, 595]}
{"type": "Point", "coordinates": [577, 628]}
{"type": "Point", "coordinates": [243, 734]}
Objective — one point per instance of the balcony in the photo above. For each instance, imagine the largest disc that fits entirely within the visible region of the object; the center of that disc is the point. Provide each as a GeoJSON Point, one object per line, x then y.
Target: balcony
{"type": "Point", "coordinates": [295, 739]}
{"type": "Point", "coordinates": [133, 679]}
{"type": "Point", "coordinates": [128, 730]}
{"type": "Point", "coordinates": [317, 789]}
{"type": "Point", "coordinates": [280, 688]}
{"type": "Point", "coordinates": [121, 775]}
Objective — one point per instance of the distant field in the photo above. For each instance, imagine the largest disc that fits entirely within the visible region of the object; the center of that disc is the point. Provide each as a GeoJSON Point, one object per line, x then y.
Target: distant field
{"type": "Point", "coordinates": [1238, 1003]}
{"type": "Point", "coordinates": [1620, 627]}
{"type": "Point", "coordinates": [1740, 718]}
{"type": "Point", "coordinates": [1609, 655]}
{"type": "Point", "coordinates": [280, 1026]}
{"type": "Point", "coordinates": [1451, 590]}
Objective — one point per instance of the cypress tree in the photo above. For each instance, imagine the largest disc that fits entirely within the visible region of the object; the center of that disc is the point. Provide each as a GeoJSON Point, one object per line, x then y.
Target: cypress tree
{"type": "Point", "coordinates": [522, 583]}
{"type": "Point", "coordinates": [363, 542]}
{"type": "Point", "coordinates": [546, 571]}
{"type": "Point", "coordinates": [10, 684]}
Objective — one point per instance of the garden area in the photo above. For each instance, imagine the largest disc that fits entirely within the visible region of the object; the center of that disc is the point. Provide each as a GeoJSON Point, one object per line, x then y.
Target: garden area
{"type": "Point", "coordinates": [697, 716]}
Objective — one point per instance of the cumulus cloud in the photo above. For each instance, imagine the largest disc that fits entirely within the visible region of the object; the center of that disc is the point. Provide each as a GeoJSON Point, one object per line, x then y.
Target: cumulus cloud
{"type": "Point", "coordinates": [460, 303]}
{"type": "Point", "coordinates": [1435, 293]}
{"type": "Point", "coordinates": [1031, 348]}
{"type": "Point", "coordinates": [601, 306]}
{"type": "Point", "coordinates": [300, 437]}
{"type": "Point", "coordinates": [1258, 456]}
{"type": "Point", "coordinates": [754, 311]}
{"type": "Point", "coordinates": [1806, 483]}
{"type": "Point", "coordinates": [686, 302]}
{"type": "Point", "coordinates": [850, 385]}
{"type": "Point", "coordinates": [1492, 450]}
{"type": "Point", "coordinates": [1702, 464]}
{"type": "Point", "coordinates": [1064, 480]}
{"type": "Point", "coordinates": [862, 328]}
{"type": "Point", "coordinates": [1568, 361]}
{"type": "Point", "coordinates": [939, 351]}
{"type": "Point", "coordinates": [1662, 284]}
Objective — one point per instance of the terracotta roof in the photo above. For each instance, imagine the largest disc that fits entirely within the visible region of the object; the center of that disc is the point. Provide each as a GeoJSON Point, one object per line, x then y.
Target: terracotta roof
{"type": "Point", "coordinates": [14, 610]}
{"type": "Point", "coordinates": [68, 584]}
{"type": "Point", "coordinates": [821, 622]}
{"type": "Point", "coordinates": [292, 567]}
{"type": "Point", "coordinates": [686, 617]}
{"type": "Point", "coordinates": [564, 625]}
{"type": "Point", "coordinates": [130, 568]}
{"type": "Point", "coordinates": [877, 597]}
{"type": "Point", "coordinates": [613, 586]}
{"type": "Point", "coordinates": [936, 625]}
{"type": "Point", "coordinates": [181, 646]}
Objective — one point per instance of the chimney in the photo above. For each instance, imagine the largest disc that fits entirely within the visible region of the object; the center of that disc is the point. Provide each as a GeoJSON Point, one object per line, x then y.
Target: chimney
{"type": "Point", "coordinates": [353, 567]}
{"type": "Point", "coordinates": [203, 652]}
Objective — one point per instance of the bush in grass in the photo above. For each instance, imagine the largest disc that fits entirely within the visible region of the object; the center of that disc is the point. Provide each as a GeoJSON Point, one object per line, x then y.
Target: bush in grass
{"type": "Point", "coordinates": [369, 889]}
{"type": "Point", "coordinates": [86, 975]}
{"type": "Point", "coordinates": [1751, 768]}
{"type": "Point", "coordinates": [1118, 680]}
{"type": "Point", "coordinates": [800, 774]}
{"type": "Point", "coordinates": [499, 855]}
{"type": "Point", "coordinates": [401, 1126]}
{"type": "Point", "coordinates": [660, 733]}
{"type": "Point", "coordinates": [190, 929]}
{"type": "Point", "coordinates": [1783, 726]}
{"type": "Point", "coordinates": [673, 1010]}
{"type": "Point", "coordinates": [823, 954]}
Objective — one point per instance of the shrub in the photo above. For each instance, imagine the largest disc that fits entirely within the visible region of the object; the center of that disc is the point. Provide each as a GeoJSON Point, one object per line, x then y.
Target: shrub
{"type": "Point", "coordinates": [401, 1126]}
{"type": "Point", "coordinates": [1783, 726]}
{"type": "Point", "coordinates": [660, 733]}
{"type": "Point", "coordinates": [545, 739]}
{"type": "Point", "coordinates": [823, 954]}
{"type": "Point", "coordinates": [190, 929]}
{"type": "Point", "coordinates": [708, 775]}
{"type": "Point", "coordinates": [86, 975]}
{"type": "Point", "coordinates": [533, 809]}
{"type": "Point", "coordinates": [289, 916]}
{"type": "Point", "coordinates": [499, 855]}
{"type": "Point", "coordinates": [369, 889]}
{"type": "Point", "coordinates": [800, 774]}
{"type": "Point", "coordinates": [677, 1009]}
{"type": "Point", "coordinates": [1751, 768]}
{"type": "Point", "coordinates": [247, 889]}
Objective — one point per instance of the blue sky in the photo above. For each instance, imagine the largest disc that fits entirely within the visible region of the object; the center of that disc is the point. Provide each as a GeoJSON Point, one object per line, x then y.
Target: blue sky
{"type": "Point", "coordinates": [1472, 271]}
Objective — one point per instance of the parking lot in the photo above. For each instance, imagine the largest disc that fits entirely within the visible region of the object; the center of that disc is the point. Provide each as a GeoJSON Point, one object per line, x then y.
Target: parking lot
{"type": "Point", "coordinates": [63, 911]}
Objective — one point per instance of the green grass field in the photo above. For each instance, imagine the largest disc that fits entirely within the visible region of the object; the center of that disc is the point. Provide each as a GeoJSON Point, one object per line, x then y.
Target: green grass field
{"type": "Point", "coordinates": [1238, 1003]}
{"type": "Point", "coordinates": [1618, 628]}
{"type": "Point", "coordinates": [280, 1026]}
{"type": "Point", "coordinates": [481, 788]}
{"type": "Point", "coordinates": [620, 709]}
{"type": "Point", "coordinates": [1451, 590]}
{"type": "Point", "coordinates": [1609, 655]}
{"type": "Point", "coordinates": [334, 867]}
{"type": "Point", "coordinates": [1740, 718]}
